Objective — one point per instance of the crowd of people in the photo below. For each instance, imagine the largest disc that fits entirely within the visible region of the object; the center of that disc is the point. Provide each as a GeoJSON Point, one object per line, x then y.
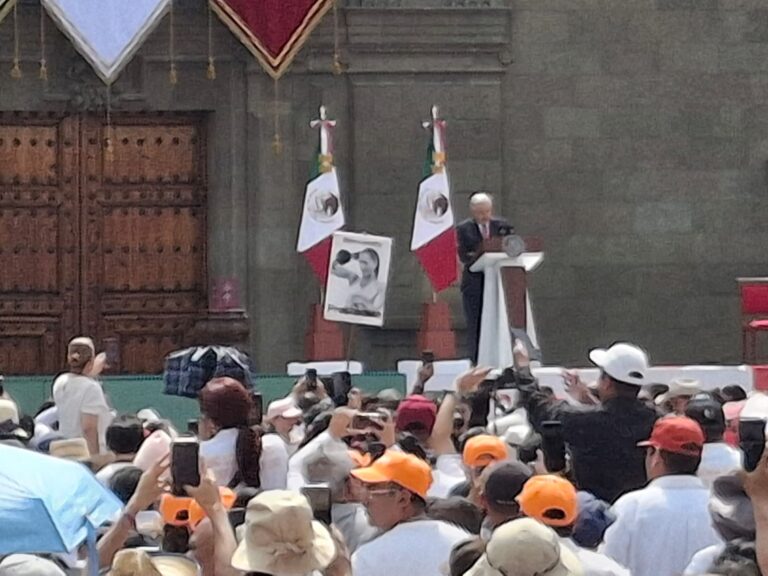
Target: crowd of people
{"type": "Point", "coordinates": [499, 477]}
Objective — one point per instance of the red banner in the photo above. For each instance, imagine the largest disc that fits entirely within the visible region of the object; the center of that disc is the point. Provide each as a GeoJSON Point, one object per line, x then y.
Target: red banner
{"type": "Point", "coordinates": [273, 30]}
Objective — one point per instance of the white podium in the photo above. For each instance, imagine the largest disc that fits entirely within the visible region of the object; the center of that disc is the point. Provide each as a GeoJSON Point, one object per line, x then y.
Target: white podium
{"type": "Point", "coordinates": [495, 348]}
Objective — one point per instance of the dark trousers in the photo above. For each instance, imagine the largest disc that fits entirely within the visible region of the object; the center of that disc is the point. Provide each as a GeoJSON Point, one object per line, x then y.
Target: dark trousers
{"type": "Point", "coordinates": [472, 298]}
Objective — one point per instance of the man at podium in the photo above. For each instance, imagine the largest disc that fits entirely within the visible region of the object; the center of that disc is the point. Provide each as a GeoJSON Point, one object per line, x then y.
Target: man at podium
{"type": "Point", "coordinates": [474, 235]}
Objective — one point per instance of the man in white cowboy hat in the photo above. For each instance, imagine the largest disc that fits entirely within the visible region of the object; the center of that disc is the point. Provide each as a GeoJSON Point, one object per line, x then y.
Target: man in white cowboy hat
{"type": "Point", "coordinates": [602, 438]}
{"type": "Point", "coordinates": [526, 547]}
{"type": "Point", "coordinates": [676, 398]}
{"type": "Point", "coordinates": [281, 538]}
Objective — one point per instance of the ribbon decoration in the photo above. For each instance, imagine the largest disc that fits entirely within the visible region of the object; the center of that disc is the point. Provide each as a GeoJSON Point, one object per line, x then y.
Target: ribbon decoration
{"type": "Point", "coordinates": [106, 32]}
{"type": "Point", "coordinates": [272, 30]}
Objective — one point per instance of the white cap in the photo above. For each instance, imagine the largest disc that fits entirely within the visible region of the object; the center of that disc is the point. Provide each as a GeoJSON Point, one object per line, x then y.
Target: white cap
{"type": "Point", "coordinates": [623, 362]}
{"type": "Point", "coordinates": [9, 411]}
{"type": "Point", "coordinates": [526, 547]}
{"type": "Point", "coordinates": [285, 408]}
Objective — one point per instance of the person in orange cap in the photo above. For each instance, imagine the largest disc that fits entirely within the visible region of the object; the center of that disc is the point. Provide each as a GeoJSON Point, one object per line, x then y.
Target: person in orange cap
{"type": "Point", "coordinates": [479, 453]}
{"type": "Point", "coordinates": [552, 500]}
{"type": "Point", "coordinates": [395, 497]}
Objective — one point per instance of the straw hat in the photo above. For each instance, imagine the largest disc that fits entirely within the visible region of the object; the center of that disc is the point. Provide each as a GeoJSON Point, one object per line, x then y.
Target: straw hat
{"type": "Point", "coordinates": [281, 537]}
{"type": "Point", "coordinates": [70, 449]}
{"type": "Point", "coordinates": [139, 563]}
{"type": "Point", "coordinates": [682, 387]}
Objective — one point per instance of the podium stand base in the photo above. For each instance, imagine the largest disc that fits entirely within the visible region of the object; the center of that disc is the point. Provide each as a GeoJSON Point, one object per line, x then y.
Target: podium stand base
{"type": "Point", "coordinates": [436, 333]}
{"type": "Point", "coordinates": [323, 340]}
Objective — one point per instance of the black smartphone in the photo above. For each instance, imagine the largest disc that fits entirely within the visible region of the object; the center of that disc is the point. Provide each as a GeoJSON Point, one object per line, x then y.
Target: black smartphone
{"type": "Point", "coordinates": [185, 464]}
{"type": "Point", "coordinates": [193, 426]}
{"type": "Point", "coordinates": [752, 441]}
{"type": "Point", "coordinates": [257, 409]}
{"type": "Point", "coordinates": [236, 517]}
{"type": "Point", "coordinates": [367, 420]}
{"type": "Point", "coordinates": [428, 357]}
{"type": "Point", "coordinates": [311, 377]}
{"type": "Point", "coordinates": [320, 502]}
{"type": "Point", "coordinates": [553, 445]}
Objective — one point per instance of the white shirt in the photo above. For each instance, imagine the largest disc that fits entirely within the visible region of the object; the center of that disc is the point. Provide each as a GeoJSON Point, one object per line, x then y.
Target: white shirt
{"type": "Point", "coordinates": [105, 474]}
{"type": "Point", "coordinates": [219, 455]}
{"type": "Point", "coordinates": [448, 472]}
{"type": "Point", "coordinates": [352, 521]}
{"type": "Point", "coordinates": [422, 548]}
{"type": "Point", "coordinates": [592, 563]}
{"type": "Point", "coordinates": [75, 395]}
{"type": "Point", "coordinates": [296, 479]}
{"type": "Point", "coordinates": [703, 560]}
{"type": "Point", "coordinates": [273, 463]}
{"type": "Point", "coordinates": [718, 459]}
{"type": "Point", "coordinates": [659, 528]}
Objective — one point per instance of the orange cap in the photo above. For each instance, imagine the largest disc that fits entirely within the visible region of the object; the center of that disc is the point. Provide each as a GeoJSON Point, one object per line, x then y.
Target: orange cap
{"type": "Point", "coordinates": [361, 460]}
{"type": "Point", "coordinates": [405, 470]}
{"type": "Point", "coordinates": [549, 499]}
{"type": "Point", "coordinates": [484, 450]}
{"type": "Point", "coordinates": [196, 512]}
{"type": "Point", "coordinates": [184, 511]}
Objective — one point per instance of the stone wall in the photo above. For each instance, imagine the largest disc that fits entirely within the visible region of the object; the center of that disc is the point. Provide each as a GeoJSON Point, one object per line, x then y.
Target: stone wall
{"type": "Point", "coordinates": [631, 136]}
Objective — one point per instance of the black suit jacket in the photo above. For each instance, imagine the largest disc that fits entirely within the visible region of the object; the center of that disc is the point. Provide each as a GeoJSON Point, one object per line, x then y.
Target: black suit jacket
{"type": "Point", "coordinates": [469, 242]}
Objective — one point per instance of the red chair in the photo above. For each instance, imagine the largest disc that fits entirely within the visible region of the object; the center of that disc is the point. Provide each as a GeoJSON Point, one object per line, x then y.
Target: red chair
{"type": "Point", "coordinates": [754, 315]}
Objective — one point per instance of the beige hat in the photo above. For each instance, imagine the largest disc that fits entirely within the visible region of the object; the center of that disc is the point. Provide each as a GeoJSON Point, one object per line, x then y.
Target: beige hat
{"type": "Point", "coordinates": [28, 565]}
{"type": "Point", "coordinates": [139, 563]}
{"type": "Point", "coordinates": [71, 449]}
{"type": "Point", "coordinates": [526, 547]}
{"type": "Point", "coordinates": [678, 388]}
{"type": "Point", "coordinates": [9, 411]}
{"type": "Point", "coordinates": [281, 537]}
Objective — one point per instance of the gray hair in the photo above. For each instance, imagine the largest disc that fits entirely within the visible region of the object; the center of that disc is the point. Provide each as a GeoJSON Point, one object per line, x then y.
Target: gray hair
{"type": "Point", "coordinates": [480, 198]}
{"type": "Point", "coordinates": [330, 465]}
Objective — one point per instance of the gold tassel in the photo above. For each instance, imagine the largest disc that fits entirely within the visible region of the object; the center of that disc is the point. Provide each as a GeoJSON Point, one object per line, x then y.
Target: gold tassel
{"type": "Point", "coordinates": [109, 148]}
{"type": "Point", "coordinates": [43, 61]}
{"type": "Point", "coordinates": [277, 143]}
{"type": "Point", "coordinates": [338, 69]}
{"type": "Point", "coordinates": [173, 76]}
{"type": "Point", "coordinates": [211, 61]}
{"type": "Point", "coordinates": [16, 70]}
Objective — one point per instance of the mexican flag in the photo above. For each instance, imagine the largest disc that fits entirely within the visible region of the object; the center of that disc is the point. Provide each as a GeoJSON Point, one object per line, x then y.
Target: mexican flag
{"type": "Point", "coordinates": [322, 215]}
{"type": "Point", "coordinates": [434, 236]}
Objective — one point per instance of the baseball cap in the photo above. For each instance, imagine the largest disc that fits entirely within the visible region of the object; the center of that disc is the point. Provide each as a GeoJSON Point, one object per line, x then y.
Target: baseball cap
{"type": "Point", "coordinates": [550, 499]}
{"type": "Point", "coordinates": [526, 547]}
{"type": "Point", "coordinates": [595, 517]}
{"type": "Point", "coordinates": [504, 481]}
{"type": "Point", "coordinates": [706, 411]}
{"type": "Point", "coordinates": [416, 409]}
{"type": "Point", "coordinates": [483, 450]}
{"type": "Point", "coordinates": [283, 408]}
{"type": "Point", "coordinates": [623, 362]}
{"type": "Point", "coordinates": [28, 565]}
{"type": "Point", "coordinates": [402, 469]}
{"type": "Point", "coordinates": [677, 434]}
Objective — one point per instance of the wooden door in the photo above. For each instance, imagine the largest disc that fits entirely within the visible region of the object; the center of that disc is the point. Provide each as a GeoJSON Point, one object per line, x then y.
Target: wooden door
{"type": "Point", "coordinates": [107, 245]}
{"type": "Point", "coordinates": [39, 223]}
{"type": "Point", "coordinates": [143, 235]}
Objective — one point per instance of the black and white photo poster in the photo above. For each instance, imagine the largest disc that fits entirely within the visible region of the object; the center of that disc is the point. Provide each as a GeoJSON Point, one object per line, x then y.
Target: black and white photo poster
{"type": "Point", "coordinates": [357, 278]}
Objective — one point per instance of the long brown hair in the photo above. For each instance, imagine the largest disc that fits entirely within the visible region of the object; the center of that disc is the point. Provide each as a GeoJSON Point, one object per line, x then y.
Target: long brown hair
{"type": "Point", "coordinates": [228, 404]}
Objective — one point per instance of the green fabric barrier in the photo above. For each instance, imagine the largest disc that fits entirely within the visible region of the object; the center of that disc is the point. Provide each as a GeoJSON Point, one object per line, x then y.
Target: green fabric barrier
{"type": "Point", "coordinates": [132, 393]}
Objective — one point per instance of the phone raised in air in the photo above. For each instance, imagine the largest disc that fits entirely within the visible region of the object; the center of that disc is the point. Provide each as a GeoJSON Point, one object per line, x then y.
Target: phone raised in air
{"type": "Point", "coordinates": [320, 501]}
{"type": "Point", "coordinates": [752, 441]}
{"type": "Point", "coordinates": [185, 464]}
{"type": "Point", "coordinates": [553, 446]}
{"type": "Point", "coordinates": [368, 420]}
{"type": "Point", "coordinates": [428, 357]}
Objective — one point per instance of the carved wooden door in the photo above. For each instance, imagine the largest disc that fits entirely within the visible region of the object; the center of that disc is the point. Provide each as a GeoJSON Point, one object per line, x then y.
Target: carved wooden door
{"type": "Point", "coordinates": [143, 235]}
{"type": "Point", "coordinates": [39, 223]}
{"type": "Point", "coordinates": [111, 245]}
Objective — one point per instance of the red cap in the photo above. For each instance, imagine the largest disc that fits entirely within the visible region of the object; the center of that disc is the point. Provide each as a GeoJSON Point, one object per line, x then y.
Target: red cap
{"type": "Point", "coordinates": [677, 434]}
{"type": "Point", "coordinates": [416, 409]}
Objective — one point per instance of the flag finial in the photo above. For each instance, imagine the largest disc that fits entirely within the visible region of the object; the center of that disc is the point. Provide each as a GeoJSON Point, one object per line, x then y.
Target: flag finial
{"type": "Point", "coordinates": [326, 138]}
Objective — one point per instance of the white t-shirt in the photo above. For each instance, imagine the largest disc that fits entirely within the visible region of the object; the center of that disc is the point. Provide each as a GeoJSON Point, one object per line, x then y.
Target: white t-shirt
{"type": "Point", "coordinates": [448, 472]}
{"type": "Point", "coordinates": [702, 561]}
{"type": "Point", "coordinates": [105, 474]}
{"type": "Point", "coordinates": [718, 459]}
{"type": "Point", "coordinates": [659, 528]}
{"type": "Point", "coordinates": [594, 564]}
{"type": "Point", "coordinates": [75, 395]}
{"type": "Point", "coordinates": [219, 455]}
{"type": "Point", "coordinates": [422, 548]}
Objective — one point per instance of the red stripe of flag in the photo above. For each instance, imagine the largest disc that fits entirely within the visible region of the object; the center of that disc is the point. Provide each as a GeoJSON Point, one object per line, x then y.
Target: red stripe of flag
{"type": "Point", "coordinates": [438, 258]}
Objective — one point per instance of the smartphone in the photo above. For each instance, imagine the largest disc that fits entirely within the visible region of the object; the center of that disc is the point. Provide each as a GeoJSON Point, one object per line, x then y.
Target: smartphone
{"type": "Point", "coordinates": [257, 410]}
{"type": "Point", "coordinates": [236, 517]}
{"type": "Point", "coordinates": [367, 420]}
{"type": "Point", "coordinates": [185, 464]}
{"type": "Point", "coordinates": [193, 426]}
{"type": "Point", "coordinates": [428, 357]}
{"type": "Point", "coordinates": [752, 441]}
{"type": "Point", "coordinates": [320, 502]}
{"type": "Point", "coordinates": [553, 445]}
{"type": "Point", "coordinates": [311, 377]}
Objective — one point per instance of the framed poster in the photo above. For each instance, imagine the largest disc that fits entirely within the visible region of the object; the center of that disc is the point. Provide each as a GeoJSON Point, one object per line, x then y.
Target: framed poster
{"type": "Point", "coordinates": [357, 278]}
